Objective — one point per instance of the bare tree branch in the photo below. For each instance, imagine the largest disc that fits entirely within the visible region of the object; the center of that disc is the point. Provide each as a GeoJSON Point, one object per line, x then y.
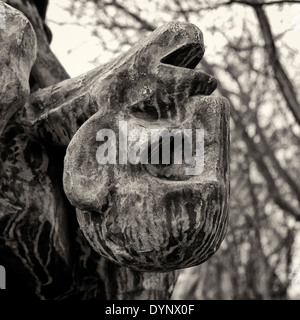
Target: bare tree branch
{"type": "Point", "coordinates": [264, 170]}
{"type": "Point", "coordinates": [184, 13]}
{"type": "Point", "coordinates": [270, 153]}
{"type": "Point", "coordinates": [252, 3]}
{"type": "Point", "coordinates": [266, 147]}
{"type": "Point", "coordinates": [284, 83]}
{"type": "Point", "coordinates": [256, 154]}
{"type": "Point", "coordinates": [144, 24]}
{"type": "Point", "coordinates": [263, 3]}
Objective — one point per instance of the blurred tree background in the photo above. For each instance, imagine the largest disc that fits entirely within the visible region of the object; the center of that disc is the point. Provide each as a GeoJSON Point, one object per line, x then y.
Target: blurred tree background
{"type": "Point", "coordinates": [250, 49]}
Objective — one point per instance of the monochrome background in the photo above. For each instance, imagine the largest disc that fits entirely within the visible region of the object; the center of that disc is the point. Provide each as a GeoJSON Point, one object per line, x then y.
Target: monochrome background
{"type": "Point", "coordinates": [259, 258]}
{"type": "Point", "coordinates": [252, 48]}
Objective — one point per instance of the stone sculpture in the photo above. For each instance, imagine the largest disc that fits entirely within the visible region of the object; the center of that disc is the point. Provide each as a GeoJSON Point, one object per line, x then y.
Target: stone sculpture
{"type": "Point", "coordinates": [143, 218]}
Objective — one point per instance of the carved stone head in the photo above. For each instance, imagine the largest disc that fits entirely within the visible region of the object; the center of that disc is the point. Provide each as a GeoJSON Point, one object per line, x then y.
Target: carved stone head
{"type": "Point", "coordinates": [155, 215]}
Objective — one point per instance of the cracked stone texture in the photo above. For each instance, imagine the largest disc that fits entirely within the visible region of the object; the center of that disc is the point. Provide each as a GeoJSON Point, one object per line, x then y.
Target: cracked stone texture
{"type": "Point", "coordinates": [152, 217]}
{"type": "Point", "coordinates": [45, 254]}
{"type": "Point", "coordinates": [34, 236]}
{"type": "Point", "coordinates": [17, 55]}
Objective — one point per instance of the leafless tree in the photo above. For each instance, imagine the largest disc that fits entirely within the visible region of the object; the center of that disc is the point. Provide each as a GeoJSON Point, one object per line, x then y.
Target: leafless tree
{"type": "Point", "coordinates": [253, 69]}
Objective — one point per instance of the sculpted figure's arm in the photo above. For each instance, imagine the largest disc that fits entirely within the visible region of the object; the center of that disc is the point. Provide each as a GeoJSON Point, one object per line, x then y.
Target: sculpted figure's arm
{"type": "Point", "coordinates": [155, 72]}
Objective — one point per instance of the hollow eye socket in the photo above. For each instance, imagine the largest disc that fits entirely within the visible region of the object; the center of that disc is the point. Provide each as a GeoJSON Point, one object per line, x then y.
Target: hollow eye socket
{"type": "Point", "coordinates": [161, 154]}
{"type": "Point", "coordinates": [161, 160]}
{"type": "Point", "coordinates": [187, 56]}
{"type": "Point", "coordinates": [145, 110]}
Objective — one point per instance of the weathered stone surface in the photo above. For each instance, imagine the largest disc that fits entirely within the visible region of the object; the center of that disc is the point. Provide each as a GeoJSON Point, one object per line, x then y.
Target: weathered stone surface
{"type": "Point", "coordinates": [149, 217]}
{"type": "Point", "coordinates": [39, 243]}
{"type": "Point", "coordinates": [127, 284]}
{"type": "Point", "coordinates": [46, 69]}
{"type": "Point", "coordinates": [17, 55]}
{"type": "Point", "coordinates": [34, 230]}
{"type": "Point", "coordinates": [45, 254]}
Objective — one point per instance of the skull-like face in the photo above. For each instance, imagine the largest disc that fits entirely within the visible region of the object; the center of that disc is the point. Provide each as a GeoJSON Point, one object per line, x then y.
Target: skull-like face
{"type": "Point", "coordinates": [153, 216]}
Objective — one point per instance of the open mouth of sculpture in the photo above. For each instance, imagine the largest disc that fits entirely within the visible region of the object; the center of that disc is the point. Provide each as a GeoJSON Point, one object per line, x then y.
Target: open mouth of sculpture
{"type": "Point", "coordinates": [187, 56]}
{"type": "Point", "coordinates": [195, 83]}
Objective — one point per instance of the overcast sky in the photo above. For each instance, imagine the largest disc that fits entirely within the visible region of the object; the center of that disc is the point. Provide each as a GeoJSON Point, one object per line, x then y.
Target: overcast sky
{"type": "Point", "coordinates": [76, 47]}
